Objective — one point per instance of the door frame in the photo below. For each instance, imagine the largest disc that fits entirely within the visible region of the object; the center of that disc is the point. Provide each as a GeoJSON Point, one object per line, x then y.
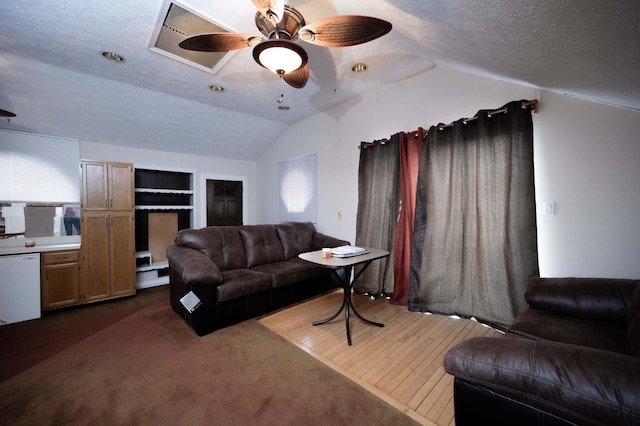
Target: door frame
{"type": "Point", "coordinates": [203, 195]}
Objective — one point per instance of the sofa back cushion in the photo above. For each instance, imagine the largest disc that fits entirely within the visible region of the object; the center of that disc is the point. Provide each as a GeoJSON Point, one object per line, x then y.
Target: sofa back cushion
{"type": "Point", "coordinates": [222, 244]}
{"type": "Point", "coordinates": [592, 299]}
{"type": "Point", "coordinates": [633, 329]}
{"type": "Point", "coordinates": [261, 244]}
{"type": "Point", "coordinates": [295, 237]}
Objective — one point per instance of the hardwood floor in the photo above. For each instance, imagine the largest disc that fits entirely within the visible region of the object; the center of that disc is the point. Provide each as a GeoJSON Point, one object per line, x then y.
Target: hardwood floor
{"type": "Point", "coordinates": [400, 363]}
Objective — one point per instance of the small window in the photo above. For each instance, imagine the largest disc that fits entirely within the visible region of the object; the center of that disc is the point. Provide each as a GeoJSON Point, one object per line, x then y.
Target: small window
{"type": "Point", "coordinates": [298, 197]}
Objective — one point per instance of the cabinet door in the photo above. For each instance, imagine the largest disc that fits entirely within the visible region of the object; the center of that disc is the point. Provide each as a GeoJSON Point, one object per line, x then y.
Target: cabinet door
{"type": "Point", "coordinates": [60, 285]}
{"type": "Point", "coordinates": [120, 186]}
{"type": "Point", "coordinates": [95, 193]}
{"type": "Point", "coordinates": [96, 272]}
{"type": "Point", "coordinates": [123, 268]}
{"type": "Point", "coordinates": [107, 186]}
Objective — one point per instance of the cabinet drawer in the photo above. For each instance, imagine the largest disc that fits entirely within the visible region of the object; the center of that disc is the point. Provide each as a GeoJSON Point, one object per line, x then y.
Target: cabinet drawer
{"type": "Point", "coordinates": [56, 257]}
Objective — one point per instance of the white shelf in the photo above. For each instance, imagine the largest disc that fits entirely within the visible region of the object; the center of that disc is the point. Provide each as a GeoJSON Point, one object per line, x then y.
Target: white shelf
{"type": "Point", "coordinates": [164, 191]}
{"type": "Point", "coordinates": [152, 282]}
{"type": "Point", "coordinates": [153, 267]}
{"type": "Point", "coordinates": [151, 278]}
{"type": "Point", "coordinates": [164, 207]}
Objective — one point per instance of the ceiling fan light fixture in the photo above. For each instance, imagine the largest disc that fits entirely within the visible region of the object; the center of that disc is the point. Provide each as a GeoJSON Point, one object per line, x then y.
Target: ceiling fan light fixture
{"type": "Point", "coordinates": [280, 56]}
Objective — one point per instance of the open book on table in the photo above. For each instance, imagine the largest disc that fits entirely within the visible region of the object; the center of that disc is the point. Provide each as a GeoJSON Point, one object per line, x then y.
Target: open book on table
{"type": "Point", "coordinates": [348, 251]}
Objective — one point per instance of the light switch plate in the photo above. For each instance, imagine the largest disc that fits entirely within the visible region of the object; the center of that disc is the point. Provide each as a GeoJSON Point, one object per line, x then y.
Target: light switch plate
{"type": "Point", "coordinates": [549, 208]}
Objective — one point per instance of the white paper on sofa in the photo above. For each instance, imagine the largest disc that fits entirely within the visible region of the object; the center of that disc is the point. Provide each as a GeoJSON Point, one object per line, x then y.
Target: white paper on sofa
{"type": "Point", "coordinates": [190, 301]}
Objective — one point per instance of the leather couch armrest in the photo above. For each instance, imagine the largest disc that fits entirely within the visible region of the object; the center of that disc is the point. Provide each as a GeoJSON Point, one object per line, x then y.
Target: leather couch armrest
{"type": "Point", "coordinates": [589, 386]}
{"type": "Point", "coordinates": [193, 266]}
{"type": "Point", "coordinates": [595, 299]}
{"type": "Point", "coordinates": [320, 241]}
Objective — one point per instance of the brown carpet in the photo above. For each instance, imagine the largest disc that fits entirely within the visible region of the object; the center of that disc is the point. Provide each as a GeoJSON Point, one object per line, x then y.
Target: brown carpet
{"type": "Point", "coordinates": [150, 368]}
{"type": "Point", "coordinates": [25, 344]}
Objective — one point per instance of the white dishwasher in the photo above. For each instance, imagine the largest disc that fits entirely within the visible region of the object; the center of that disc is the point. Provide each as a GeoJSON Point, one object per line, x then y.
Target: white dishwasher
{"type": "Point", "coordinates": [19, 287]}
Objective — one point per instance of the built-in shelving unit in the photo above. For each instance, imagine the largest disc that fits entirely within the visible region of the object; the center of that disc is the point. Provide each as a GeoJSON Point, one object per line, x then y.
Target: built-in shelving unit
{"type": "Point", "coordinates": [163, 205]}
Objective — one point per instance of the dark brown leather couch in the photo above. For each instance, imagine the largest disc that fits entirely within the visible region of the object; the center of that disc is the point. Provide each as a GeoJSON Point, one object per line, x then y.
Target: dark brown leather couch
{"type": "Point", "coordinates": [239, 272]}
{"type": "Point", "coordinates": [572, 357]}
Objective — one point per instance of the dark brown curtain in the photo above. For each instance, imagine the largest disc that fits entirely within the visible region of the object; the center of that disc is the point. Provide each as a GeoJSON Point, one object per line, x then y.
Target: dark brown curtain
{"type": "Point", "coordinates": [409, 157]}
{"type": "Point", "coordinates": [474, 242]}
{"type": "Point", "coordinates": [378, 204]}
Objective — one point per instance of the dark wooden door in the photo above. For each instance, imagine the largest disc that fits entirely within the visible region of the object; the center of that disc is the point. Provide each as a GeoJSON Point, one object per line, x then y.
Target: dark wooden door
{"type": "Point", "coordinates": [224, 203]}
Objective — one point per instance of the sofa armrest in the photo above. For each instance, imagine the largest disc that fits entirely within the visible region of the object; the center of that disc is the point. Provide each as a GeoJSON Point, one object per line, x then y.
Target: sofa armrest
{"type": "Point", "coordinates": [193, 266]}
{"type": "Point", "coordinates": [588, 386]}
{"type": "Point", "coordinates": [595, 299]}
{"type": "Point", "coordinates": [321, 241]}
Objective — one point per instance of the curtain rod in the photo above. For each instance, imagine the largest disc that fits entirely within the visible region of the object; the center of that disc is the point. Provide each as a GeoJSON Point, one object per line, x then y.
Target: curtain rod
{"type": "Point", "coordinates": [532, 103]}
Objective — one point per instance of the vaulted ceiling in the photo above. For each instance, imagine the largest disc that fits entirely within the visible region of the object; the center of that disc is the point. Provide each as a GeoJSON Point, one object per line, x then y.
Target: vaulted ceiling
{"type": "Point", "coordinates": [54, 77]}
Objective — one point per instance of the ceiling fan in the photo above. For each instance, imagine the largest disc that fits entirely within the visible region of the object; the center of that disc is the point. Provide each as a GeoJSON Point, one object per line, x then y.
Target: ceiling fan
{"type": "Point", "coordinates": [282, 25]}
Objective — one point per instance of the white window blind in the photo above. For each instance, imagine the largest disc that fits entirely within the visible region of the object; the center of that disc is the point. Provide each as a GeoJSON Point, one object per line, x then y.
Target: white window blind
{"type": "Point", "coordinates": [298, 198]}
{"type": "Point", "coordinates": [36, 168]}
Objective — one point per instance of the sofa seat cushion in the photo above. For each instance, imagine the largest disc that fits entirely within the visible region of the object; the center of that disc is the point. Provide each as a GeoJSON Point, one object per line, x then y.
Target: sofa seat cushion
{"type": "Point", "coordinates": [242, 282]}
{"type": "Point", "coordinates": [286, 272]}
{"type": "Point", "coordinates": [543, 325]}
{"type": "Point", "coordinates": [295, 237]}
{"type": "Point", "coordinates": [261, 244]}
{"type": "Point", "coordinates": [222, 244]}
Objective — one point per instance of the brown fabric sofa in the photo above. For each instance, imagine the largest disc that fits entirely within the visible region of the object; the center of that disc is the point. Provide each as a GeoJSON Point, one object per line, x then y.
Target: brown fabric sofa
{"type": "Point", "coordinates": [239, 272]}
{"type": "Point", "coordinates": [572, 357]}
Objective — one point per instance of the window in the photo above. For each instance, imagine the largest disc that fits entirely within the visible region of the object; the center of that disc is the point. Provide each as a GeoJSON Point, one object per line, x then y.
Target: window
{"type": "Point", "coordinates": [37, 168]}
{"type": "Point", "coordinates": [298, 189]}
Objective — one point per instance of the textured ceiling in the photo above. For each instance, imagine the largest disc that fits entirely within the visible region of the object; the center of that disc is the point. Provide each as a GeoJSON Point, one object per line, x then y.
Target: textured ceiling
{"type": "Point", "coordinates": [52, 74]}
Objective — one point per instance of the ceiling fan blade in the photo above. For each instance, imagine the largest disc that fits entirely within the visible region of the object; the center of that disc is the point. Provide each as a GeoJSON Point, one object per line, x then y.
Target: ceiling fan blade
{"type": "Point", "coordinates": [341, 31]}
{"type": "Point", "coordinates": [270, 9]}
{"type": "Point", "coordinates": [217, 42]}
{"type": "Point", "coordinates": [263, 6]}
{"type": "Point", "coordinates": [297, 78]}
{"type": "Point", "coordinates": [5, 113]}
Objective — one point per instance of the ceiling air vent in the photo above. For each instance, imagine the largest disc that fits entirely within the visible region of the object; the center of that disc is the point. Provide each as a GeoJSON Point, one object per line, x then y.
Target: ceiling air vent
{"type": "Point", "coordinates": [178, 24]}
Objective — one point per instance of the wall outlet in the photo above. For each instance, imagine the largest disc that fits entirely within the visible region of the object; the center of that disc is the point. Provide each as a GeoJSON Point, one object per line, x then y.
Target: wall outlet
{"type": "Point", "coordinates": [339, 215]}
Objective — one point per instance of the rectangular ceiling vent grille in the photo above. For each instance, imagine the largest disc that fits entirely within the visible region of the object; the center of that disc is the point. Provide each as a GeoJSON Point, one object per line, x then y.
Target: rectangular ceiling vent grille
{"type": "Point", "coordinates": [179, 24]}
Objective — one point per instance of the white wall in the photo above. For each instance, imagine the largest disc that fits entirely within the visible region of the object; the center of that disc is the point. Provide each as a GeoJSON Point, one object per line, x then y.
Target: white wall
{"type": "Point", "coordinates": [588, 163]}
{"type": "Point", "coordinates": [591, 173]}
{"type": "Point", "coordinates": [202, 167]}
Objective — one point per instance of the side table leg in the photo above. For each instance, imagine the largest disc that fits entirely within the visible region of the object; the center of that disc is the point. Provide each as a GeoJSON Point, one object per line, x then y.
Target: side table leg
{"type": "Point", "coordinates": [345, 302]}
{"type": "Point", "coordinates": [350, 301]}
{"type": "Point", "coordinates": [378, 324]}
{"type": "Point", "coordinates": [346, 316]}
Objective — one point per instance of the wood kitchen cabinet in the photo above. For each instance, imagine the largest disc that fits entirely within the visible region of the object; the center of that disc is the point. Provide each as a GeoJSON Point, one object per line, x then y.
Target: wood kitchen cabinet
{"type": "Point", "coordinates": [108, 228]}
{"type": "Point", "coordinates": [108, 266]}
{"type": "Point", "coordinates": [60, 279]}
{"type": "Point", "coordinates": [107, 186]}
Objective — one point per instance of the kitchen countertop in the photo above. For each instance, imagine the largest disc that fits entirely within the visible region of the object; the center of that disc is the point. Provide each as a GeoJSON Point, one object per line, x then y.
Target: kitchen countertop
{"type": "Point", "coordinates": [16, 246]}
